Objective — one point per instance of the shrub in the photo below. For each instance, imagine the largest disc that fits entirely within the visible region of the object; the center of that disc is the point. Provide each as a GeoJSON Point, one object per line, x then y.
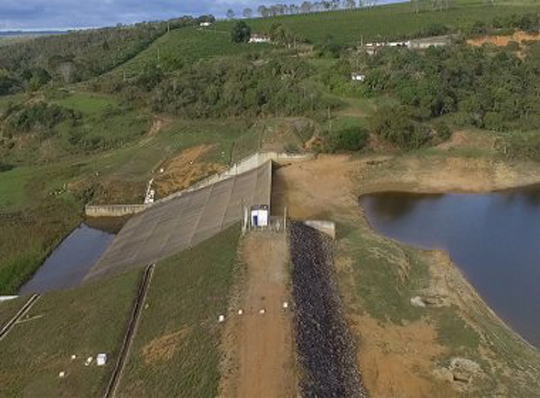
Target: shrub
{"type": "Point", "coordinates": [442, 130]}
{"type": "Point", "coordinates": [240, 32]}
{"type": "Point", "coordinates": [351, 139]}
{"type": "Point", "coordinates": [397, 127]}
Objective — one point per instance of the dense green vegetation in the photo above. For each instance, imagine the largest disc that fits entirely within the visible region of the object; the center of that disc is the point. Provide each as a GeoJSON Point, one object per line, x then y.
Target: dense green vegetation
{"type": "Point", "coordinates": [79, 55]}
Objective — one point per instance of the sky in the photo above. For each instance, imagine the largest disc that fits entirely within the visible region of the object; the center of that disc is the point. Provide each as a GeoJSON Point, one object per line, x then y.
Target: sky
{"type": "Point", "coordinates": [64, 14]}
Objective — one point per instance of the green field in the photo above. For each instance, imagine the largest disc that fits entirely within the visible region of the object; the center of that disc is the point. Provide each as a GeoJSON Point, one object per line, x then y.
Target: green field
{"type": "Point", "coordinates": [82, 322]}
{"type": "Point", "coordinates": [187, 45]}
{"type": "Point", "coordinates": [176, 348]}
{"type": "Point", "coordinates": [386, 22]}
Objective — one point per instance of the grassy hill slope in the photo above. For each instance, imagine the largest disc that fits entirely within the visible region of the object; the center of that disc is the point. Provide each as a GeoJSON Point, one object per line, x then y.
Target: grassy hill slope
{"type": "Point", "coordinates": [387, 22]}
{"type": "Point", "coordinates": [187, 45]}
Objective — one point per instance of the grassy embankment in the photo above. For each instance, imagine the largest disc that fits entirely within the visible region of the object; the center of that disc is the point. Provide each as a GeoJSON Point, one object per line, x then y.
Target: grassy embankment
{"type": "Point", "coordinates": [176, 348]}
{"type": "Point", "coordinates": [8, 309]}
{"type": "Point", "coordinates": [387, 22]}
{"type": "Point", "coordinates": [82, 322]}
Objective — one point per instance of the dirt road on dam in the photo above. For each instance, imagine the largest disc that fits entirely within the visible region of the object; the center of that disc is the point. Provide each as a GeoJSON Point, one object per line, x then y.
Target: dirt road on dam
{"type": "Point", "coordinates": [260, 345]}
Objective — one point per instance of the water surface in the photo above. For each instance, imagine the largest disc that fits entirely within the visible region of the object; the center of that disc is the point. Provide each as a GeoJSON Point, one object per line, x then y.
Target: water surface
{"type": "Point", "coordinates": [494, 239]}
{"type": "Point", "coordinates": [70, 262]}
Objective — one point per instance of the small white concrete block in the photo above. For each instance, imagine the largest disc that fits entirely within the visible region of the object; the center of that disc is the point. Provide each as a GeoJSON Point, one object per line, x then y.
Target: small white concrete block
{"type": "Point", "coordinates": [262, 311]}
{"type": "Point", "coordinates": [240, 312]}
{"type": "Point", "coordinates": [73, 357]}
{"type": "Point", "coordinates": [285, 305]}
{"type": "Point", "coordinates": [101, 359]}
{"type": "Point", "coordinates": [221, 318]}
{"type": "Point", "coordinates": [62, 374]}
{"type": "Point", "coordinates": [88, 361]}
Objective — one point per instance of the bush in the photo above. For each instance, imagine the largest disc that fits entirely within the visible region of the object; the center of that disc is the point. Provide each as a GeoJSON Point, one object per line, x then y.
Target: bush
{"type": "Point", "coordinates": [351, 139]}
{"type": "Point", "coordinates": [437, 29]}
{"type": "Point", "coordinates": [241, 32]}
{"type": "Point", "coordinates": [522, 146]}
{"type": "Point", "coordinates": [40, 116]}
{"type": "Point", "coordinates": [397, 127]}
{"type": "Point", "coordinates": [442, 130]}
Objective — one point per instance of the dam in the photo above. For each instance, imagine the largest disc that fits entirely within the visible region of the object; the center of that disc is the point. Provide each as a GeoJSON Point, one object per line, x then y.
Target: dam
{"type": "Point", "coordinates": [182, 221]}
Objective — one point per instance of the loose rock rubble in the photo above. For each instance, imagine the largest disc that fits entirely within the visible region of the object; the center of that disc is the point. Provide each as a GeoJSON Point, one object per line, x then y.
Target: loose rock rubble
{"type": "Point", "coordinates": [324, 346]}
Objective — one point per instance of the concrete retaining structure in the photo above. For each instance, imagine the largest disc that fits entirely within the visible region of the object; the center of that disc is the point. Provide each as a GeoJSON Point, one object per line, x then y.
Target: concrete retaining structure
{"type": "Point", "coordinates": [248, 164]}
{"type": "Point", "coordinates": [245, 165]}
{"type": "Point", "coordinates": [169, 227]}
{"type": "Point", "coordinates": [113, 210]}
{"type": "Point", "coordinates": [326, 227]}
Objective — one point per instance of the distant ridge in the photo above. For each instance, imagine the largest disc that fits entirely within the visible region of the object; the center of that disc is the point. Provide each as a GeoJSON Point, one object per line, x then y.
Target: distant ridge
{"type": "Point", "coordinates": [19, 33]}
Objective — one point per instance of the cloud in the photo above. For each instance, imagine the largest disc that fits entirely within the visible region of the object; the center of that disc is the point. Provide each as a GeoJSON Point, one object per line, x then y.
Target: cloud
{"type": "Point", "coordinates": [62, 14]}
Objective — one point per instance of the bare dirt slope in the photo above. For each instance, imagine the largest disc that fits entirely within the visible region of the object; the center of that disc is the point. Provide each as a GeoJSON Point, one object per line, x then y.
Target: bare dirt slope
{"type": "Point", "coordinates": [261, 345]}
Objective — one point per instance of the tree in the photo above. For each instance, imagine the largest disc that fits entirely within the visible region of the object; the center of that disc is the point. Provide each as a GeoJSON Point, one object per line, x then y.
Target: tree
{"type": "Point", "coordinates": [241, 32]}
{"type": "Point", "coordinates": [247, 13]}
{"type": "Point", "coordinates": [263, 11]}
{"type": "Point", "coordinates": [230, 14]}
{"type": "Point", "coordinates": [350, 4]}
{"type": "Point", "coordinates": [306, 7]}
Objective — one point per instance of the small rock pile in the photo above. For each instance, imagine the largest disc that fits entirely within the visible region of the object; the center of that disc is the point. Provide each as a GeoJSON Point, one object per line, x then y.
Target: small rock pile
{"type": "Point", "coordinates": [325, 348]}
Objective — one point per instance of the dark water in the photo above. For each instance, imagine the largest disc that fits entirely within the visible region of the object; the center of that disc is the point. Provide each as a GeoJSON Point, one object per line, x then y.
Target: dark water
{"type": "Point", "coordinates": [68, 265]}
{"type": "Point", "coordinates": [493, 238]}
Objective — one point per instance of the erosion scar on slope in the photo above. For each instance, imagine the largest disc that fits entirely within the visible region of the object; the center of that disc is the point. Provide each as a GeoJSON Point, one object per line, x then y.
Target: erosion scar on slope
{"type": "Point", "coordinates": [325, 349]}
{"type": "Point", "coordinates": [262, 345]}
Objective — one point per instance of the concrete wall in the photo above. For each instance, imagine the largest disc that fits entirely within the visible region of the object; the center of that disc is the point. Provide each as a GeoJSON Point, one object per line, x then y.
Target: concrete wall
{"type": "Point", "coordinates": [113, 210]}
{"type": "Point", "coordinates": [247, 164]}
{"type": "Point", "coordinates": [327, 227]}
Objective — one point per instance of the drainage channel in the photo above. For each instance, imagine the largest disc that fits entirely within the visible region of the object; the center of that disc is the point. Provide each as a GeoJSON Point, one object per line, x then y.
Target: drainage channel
{"type": "Point", "coordinates": [130, 333]}
{"type": "Point", "coordinates": [22, 312]}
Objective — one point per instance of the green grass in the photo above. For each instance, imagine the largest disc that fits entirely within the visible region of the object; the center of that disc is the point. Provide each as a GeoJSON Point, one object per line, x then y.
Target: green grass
{"type": "Point", "coordinates": [386, 22]}
{"type": "Point", "coordinates": [176, 350]}
{"type": "Point", "coordinates": [188, 45]}
{"type": "Point", "coordinates": [88, 103]}
{"type": "Point", "coordinates": [12, 188]}
{"type": "Point", "coordinates": [386, 275]}
{"type": "Point", "coordinates": [83, 322]}
{"type": "Point", "coordinates": [8, 309]}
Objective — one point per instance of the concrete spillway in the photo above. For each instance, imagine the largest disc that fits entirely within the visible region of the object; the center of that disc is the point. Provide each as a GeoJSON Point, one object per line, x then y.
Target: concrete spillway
{"type": "Point", "coordinates": [172, 226]}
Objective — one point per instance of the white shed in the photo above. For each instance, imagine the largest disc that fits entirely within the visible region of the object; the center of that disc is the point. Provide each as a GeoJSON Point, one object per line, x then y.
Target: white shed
{"type": "Point", "coordinates": [260, 216]}
{"type": "Point", "coordinates": [205, 24]}
{"type": "Point", "coordinates": [255, 38]}
{"type": "Point", "coordinates": [358, 77]}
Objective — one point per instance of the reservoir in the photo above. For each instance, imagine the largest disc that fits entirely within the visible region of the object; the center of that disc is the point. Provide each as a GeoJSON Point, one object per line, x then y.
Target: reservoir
{"type": "Point", "coordinates": [67, 266]}
{"type": "Point", "coordinates": [493, 238]}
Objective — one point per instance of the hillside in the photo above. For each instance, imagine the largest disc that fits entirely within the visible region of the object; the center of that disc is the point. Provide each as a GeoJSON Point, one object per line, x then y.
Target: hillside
{"type": "Point", "coordinates": [388, 22]}
{"type": "Point", "coordinates": [162, 107]}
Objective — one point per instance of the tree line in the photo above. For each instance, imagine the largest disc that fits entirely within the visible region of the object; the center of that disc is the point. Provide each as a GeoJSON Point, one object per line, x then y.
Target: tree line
{"type": "Point", "coordinates": [308, 7]}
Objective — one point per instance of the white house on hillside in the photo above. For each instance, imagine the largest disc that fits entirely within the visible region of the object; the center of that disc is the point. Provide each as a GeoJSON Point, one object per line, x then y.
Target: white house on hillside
{"type": "Point", "coordinates": [205, 24]}
{"type": "Point", "coordinates": [259, 39]}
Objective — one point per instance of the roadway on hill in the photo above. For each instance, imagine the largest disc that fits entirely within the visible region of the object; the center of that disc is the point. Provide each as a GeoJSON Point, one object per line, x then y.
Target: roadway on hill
{"type": "Point", "coordinates": [172, 226]}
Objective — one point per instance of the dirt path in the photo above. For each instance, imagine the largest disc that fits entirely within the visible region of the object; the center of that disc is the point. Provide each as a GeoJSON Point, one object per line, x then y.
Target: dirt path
{"type": "Point", "coordinates": [261, 345]}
